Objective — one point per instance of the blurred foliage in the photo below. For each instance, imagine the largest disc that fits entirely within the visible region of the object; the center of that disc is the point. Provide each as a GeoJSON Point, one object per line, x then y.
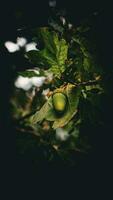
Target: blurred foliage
{"type": "Point", "coordinates": [70, 59]}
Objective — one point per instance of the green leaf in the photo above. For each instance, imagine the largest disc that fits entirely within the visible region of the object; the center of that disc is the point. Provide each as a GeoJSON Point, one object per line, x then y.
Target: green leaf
{"type": "Point", "coordinates": [33, 56]}
{"type": "Point", "coordinates": [86, 55]}
{"type": "Point", "coordinates": [47, 111]}
{"type": "Point", "coordinates": [96, 88]}
{"type": "Point", "coordinates": [54, 54]}
{"type": "Point", "coordinates": [41, 114]}
{"type": "Point", "coordinates": [86, 64]}
{"type": "Point", "coordinates": [57, 70]}
{"type": "Point", "coordinates": [40, 58]}
{"type": "Point", "coordinates": [61, 51]}
{"type": "Point", "coordinates": [73, 94]}
{"type": "Point", "coordinates": [49, 38]}
{"type": "Point", "coordinates": [83, 28]}
{"type": "Point", "coordinates": [29, 73]}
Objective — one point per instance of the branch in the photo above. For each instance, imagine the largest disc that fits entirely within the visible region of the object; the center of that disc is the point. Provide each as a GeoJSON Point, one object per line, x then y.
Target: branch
{"type": "Point", "coordinates": [26, 116]}
{"type": "Point", "coordinates": [85, 83]}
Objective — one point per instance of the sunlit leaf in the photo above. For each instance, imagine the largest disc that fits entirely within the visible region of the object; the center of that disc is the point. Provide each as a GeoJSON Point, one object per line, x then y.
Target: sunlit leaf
{"type": "Point", "coordinates": [41, 114]}
{"type": "Point", "coordinates": [28, 74]}
{"type": "Point", "coordinates": [47, 111]}
{"type": "Point", "coordinates": [54, 54]}
{"type": "Point", "coordinates": [73, 100]}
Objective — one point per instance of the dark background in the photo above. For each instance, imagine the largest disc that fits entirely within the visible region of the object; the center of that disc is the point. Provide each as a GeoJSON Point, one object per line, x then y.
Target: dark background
{"type": "Point", "coordinates": [97, 166]}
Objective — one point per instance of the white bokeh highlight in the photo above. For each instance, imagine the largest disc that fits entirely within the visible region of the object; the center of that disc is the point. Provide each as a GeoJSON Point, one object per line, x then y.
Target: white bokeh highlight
{"type": "Point", "coordinates": [31, 46]}
{"type": "Point", "coordinates": [21, 41]}
{"type": "Point", "coordinates": [63, 20]}
{"type": "Point", "coordinates": [26, 83]}
{"type": "Point", "coordinates": [23, 83]}
{"type": "Point", "coordinates": [45, 92]}
{"type": "Point", "coordinates": [11, 46]}
{"type": "Point", "coordinates": [52, 3]}
{"type": "Point", "coordinates": [61, 134]}
{"type": "Point", "coordinates": [38, 81]}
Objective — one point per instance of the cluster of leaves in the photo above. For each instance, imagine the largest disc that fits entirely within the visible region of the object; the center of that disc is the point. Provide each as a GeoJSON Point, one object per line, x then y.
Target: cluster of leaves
{"type": "Point", "coordinates": [54, 54]}
{"type": "Point", "coordinates": [47, 111]}
{"type": "Point", "coordinates": [76, 74]}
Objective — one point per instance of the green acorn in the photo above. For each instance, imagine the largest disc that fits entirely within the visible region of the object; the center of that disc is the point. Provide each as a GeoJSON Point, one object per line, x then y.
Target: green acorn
{"type": "Point", "coordinates": [59, 102]}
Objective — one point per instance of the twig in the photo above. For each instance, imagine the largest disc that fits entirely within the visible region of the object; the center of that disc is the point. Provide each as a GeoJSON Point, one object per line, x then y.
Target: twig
{"type": "Point", "coordinates": [24, 130]}
{"type": "Point", "coordinates": [26, 116]}
{"type": "Point", "coordinates": [85, 83]}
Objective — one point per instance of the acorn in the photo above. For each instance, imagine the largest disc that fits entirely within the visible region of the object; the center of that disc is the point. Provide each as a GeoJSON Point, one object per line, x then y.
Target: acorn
{"type": "Point", "coordinates": [59, 102]}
